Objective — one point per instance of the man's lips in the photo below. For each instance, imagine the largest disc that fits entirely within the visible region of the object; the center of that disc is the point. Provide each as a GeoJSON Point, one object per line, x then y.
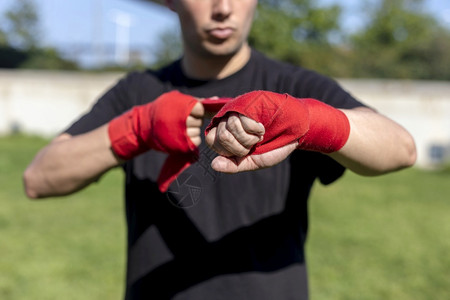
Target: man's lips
{"type": "Point", "coordinates": [221, 33]}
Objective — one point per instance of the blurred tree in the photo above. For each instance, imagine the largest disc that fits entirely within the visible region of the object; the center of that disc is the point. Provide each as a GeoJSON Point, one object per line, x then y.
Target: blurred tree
{"type": "Point", "coordinates": [169, 49]}
{"type": "Point", "coordinates": [294, 31]}
{"type": "Point", "coordinates": [11, 58]}
{"type": "Point", "coordinates": [401, 41]}
{"type": "Point", "coordinates": [19, 41]}
{"type": "Point", "coordinates": [47, 58]}
{"type": "Point", "coordinates": [3, 38]}
{"type": "Point", "coordinates": [22, 25]}
{"type": "Point", "coordinates": [298, 32]}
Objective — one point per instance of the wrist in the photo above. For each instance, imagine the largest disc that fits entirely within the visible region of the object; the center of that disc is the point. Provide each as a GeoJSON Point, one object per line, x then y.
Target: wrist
{"type": "Point", "coordinates": [159, 125]}
{"type": "Point", "coordinates": [125, 143]}
{"type": "Point", "coordinates": [329, 128]}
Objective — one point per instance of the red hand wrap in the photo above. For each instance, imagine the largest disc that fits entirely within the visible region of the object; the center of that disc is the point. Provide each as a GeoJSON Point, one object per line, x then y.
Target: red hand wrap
{"type": "Point", "coordinates": [214, 105]}
{"type": "Point", "coordinates": [329, 128]}
{"type": "Point", "coordinates": [178, 162]}
{"type": "Point", "coordinates": [315, 125]}
{"type": "Point", "coordinates": [158, 125]}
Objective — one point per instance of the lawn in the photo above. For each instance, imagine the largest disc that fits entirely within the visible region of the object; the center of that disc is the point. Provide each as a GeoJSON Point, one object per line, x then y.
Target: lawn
{"type": "Point", "coordinates": [68, 248]}
{"type": "Point", "coordinates": [370, 238]}
{"type": "Point", "coordinates": [381, 238]}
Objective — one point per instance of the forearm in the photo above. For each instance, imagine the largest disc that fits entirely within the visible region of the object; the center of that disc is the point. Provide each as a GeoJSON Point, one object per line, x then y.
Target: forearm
{"type": "Point", "coordinates": [69, 163]}
{"type": "Point", "coordinates": [376, 144]}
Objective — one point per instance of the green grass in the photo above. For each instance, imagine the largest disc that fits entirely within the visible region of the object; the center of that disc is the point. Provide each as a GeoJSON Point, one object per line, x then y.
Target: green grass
{"type": "Point", "coordinates": [370, 238]}
{"type": "Point", "coordinates": [67, 248]}
{"type": "Point", "coordinates": [381, 238]}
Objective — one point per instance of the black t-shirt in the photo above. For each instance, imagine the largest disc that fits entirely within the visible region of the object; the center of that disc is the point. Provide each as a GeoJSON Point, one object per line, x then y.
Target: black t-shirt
{"type": "Point", "coordinates": [214, 235]}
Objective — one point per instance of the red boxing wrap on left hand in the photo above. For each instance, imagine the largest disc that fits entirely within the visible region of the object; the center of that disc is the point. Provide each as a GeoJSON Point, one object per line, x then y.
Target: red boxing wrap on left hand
{"type": "Point", "coordinates": [315, 125]}
{"type": "Point", "coordinates": [159, 125]}
{"type": "Point", "coordinates": [178, 162]}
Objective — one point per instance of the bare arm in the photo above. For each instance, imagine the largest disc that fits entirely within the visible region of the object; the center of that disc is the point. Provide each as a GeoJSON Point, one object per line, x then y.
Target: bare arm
{"type": "Point", "coordinates": [68, 164]}
{"type": "Point", "coordinates": [376, 145]}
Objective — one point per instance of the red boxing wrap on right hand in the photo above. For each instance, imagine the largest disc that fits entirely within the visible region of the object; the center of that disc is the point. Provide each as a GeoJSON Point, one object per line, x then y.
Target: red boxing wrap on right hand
{"type": "Point", "coordinates": [159, 125]}
{"type": "Point", "coordinates": [315, 125]}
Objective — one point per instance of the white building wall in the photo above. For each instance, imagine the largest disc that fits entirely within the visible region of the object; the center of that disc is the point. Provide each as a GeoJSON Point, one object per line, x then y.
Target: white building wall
{"type": "Point", "coordinates": [44, 103]}
{"type": "Point", "coordinates": [422, 107]}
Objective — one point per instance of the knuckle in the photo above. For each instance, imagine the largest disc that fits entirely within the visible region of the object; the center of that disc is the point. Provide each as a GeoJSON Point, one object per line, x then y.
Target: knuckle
{"type": "Point", "coordinates": [250, 141]}
{"type": "Point", "coordinates": [209, 139]}
{"type": "Point", "coordinates": [193, 122]}
{"type": "Point", "coordinates": [242, 152]}
{"type": "Point", "coordinates": [194, 131]}
{"type": "Point", "coordinates": [251, 125]}
{"type": "Point", "coordinates": [235, 149]}
{"type": "Point", "coordinates": [220, 150]}
{"type": "Point", "coordinates": [196, 141]}
{"type": "Point", "coordinates": [233, 124]}
{"type": "Point", "coordinates": [225, 137]}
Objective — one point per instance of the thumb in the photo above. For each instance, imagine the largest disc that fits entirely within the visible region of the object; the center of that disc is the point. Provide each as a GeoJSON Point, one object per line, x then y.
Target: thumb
{"type": "Point", "coordinates": [231, 164]}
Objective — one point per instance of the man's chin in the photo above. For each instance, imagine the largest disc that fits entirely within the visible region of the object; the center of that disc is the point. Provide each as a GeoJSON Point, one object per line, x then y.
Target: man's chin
{"type": "Point", "coordinates": [223, 49]}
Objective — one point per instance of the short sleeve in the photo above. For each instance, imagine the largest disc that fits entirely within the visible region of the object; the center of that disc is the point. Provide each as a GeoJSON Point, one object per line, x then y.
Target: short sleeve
{"type": "Point", "coordinates": [113, 103]}
{"type": "Point", "coordinates": [317, 165]}
{"type": "Point", "coordinates": [309, 84]}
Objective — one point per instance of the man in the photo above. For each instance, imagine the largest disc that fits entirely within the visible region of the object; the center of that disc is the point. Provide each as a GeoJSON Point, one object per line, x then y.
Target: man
{"type": "Point", "coordinates": [198, 227]}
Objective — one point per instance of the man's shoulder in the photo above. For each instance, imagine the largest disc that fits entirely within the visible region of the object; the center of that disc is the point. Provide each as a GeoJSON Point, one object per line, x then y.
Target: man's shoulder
{"type": "Point", "coordinates": [151, 74]}
{"type": "Point", "coordinates": [290, 78]}
{"type": "Point", "coordinates": [283, 68]}
{"type": "Point", "coordinates": [264, 59]}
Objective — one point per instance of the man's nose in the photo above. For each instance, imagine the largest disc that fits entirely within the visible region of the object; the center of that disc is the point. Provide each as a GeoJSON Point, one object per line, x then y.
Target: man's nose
{"type": "Point", "coordinates": [222, 9]}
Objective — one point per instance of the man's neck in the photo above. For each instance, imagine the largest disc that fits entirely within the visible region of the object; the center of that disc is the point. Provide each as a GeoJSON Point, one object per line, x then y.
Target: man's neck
{"type": "Point", "coordinates": [215, 67]}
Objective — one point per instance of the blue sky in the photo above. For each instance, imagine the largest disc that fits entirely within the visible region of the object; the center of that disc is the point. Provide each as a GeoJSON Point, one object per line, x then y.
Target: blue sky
{"type": "Point", "coordinates": [90, 23]}
{"type": "Point", "coordinates": [93, 23]}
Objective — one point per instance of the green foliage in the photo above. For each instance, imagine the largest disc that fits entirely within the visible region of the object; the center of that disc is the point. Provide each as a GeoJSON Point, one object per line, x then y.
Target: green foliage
{"type": "Point", "coordinates": [292, 30]}
{"type": "Point", "coordinates": [169, 49]}
{"type": "Point", "coordinates": [401, 41]}
{"type": "Point", "coordinates": [11, 57]}
{"type": "Point", "coordinates": [3, 38]}
{"type": "Point", "coordinates": [398, 41]}
{"type": "Point", "coordinates": [36, 58]}
{"type": "Point", "coordinates": [19, 41]}
{"type": "Point", "coordinates": [22, 21]}
{"type": "Point", "coordinates": [47, 58]}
